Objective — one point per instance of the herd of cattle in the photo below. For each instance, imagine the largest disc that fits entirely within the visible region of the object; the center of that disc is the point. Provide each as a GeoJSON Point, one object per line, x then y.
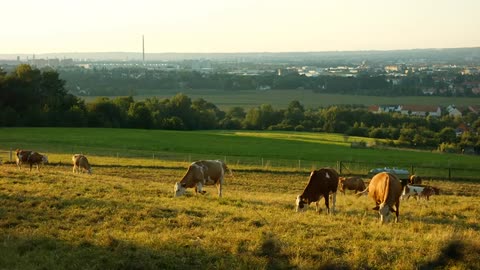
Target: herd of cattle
{"type": "Point", "coordinates": [80, 162]}
{"type": "Point", "coordinates": [385, 188]}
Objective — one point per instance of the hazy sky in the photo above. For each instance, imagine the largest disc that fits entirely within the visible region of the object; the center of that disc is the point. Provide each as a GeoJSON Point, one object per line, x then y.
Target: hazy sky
{"type": "Point", "coordinates": [32, 26]}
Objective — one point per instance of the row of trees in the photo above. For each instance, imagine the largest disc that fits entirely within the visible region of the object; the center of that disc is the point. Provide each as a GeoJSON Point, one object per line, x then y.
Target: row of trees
{"type": "Point", "coordinates": [29, 97]}
{"type": "Point", "coordinates": [132, 81]}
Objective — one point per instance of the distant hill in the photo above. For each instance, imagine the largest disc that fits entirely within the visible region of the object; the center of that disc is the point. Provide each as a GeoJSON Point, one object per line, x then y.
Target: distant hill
{"type": "Point", "coordinates": [450, 55]}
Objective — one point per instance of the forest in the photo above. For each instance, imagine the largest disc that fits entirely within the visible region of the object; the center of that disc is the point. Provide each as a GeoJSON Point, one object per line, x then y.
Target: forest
{"type": "Point", "coordinates": [35, 98]}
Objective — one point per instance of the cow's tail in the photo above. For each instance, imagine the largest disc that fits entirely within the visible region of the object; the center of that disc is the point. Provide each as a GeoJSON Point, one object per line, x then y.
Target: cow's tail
{"type": "Point", "coordinates": [363, 193]}
{"type": "Point", "coordinates": [386, 192]}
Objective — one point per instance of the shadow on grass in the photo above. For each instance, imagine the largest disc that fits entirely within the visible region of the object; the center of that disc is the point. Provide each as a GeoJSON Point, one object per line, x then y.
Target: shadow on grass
{"type": "Point", "coordinates": [48, 253]}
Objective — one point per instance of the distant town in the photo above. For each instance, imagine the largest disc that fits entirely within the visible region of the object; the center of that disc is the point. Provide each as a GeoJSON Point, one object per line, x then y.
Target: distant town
{"type": "Point", "coordinates": [446, 72]}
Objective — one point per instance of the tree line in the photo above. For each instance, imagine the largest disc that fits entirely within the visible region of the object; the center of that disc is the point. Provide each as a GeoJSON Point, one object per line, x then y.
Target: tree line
{"type": "Point", "coordinates": [30, 97]}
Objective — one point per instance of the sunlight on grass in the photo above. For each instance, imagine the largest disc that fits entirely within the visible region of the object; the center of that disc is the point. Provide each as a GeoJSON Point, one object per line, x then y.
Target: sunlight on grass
{"type": "Point", "coordinates": [125, 216]}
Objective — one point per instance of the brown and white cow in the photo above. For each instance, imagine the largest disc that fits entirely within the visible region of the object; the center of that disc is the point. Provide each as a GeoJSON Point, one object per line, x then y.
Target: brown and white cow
{"type": "Point", "coordinates": [30, 157]}
{"type": "Point", "coordinates": [322, 182]}
{"type": "Point", "coordinates": [81, 164]}
{"type": "Point", "coordinates": [385, 189]}
{"type": "Point", "coordinates": [201, 173]}
{"type": "Point", "coordinates": [415, 180]}
{"type": "Point", "coordinates": [351, 183]}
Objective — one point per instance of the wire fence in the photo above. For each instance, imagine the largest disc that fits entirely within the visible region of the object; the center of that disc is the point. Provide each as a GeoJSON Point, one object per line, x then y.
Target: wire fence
{"type": "Point", "coordinates": [254, 162]}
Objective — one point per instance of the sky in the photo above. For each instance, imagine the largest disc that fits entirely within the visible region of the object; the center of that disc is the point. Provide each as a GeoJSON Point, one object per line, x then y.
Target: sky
{"type": "Point", "coordinates": [206, 26]}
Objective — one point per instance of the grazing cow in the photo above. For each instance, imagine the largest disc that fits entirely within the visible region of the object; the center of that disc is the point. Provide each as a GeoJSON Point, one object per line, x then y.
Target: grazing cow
{"type": "Point", "coordinates": [415, 180]}
{"type": "Point", "coordinates": [200, 173]}
{"type": "Point", "coordinates": [80, 163]}
{"type": "Point", "coordinates": [30, 157]}
{"type": "Point", "coordinates": [385, 189]}
{"type": "Point", "coordinates": [321, 183]}
{"type": "Point", "coordinates": [351, 183]}
{"type": "Point", "coordinates": [410, 190]}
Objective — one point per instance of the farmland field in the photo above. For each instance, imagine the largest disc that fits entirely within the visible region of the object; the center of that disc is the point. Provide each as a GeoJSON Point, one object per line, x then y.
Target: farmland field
{"type": "Point", "coordinates": [124, 217]}
{"type": "Point", "coordinates": [281, 98]}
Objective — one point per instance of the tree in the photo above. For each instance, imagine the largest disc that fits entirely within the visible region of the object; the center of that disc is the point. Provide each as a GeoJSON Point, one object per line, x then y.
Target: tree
{"type": "Point", "coordinates": [294, 114]}
{"type": "Point", "coordinates": [447, 135]}
{"type": "Point", "coordinates": [139, 116]}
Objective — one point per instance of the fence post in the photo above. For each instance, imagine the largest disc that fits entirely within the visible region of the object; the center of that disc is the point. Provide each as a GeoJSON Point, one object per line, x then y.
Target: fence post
{"type": "Point", "coordinates": [153, 156]}
{"type": "Point", "coordinates": [10, 155]}
{"type": "Point", "coordinates": [299, 164]}
{"type": "Point", "coordinates": [262, 162]}
{"type": "Point", "coordinates": [449, 174]}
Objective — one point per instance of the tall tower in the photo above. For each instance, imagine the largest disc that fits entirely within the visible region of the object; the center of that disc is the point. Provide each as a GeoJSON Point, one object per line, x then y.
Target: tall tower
{"type": "Point", "coordinates": [143, 50]}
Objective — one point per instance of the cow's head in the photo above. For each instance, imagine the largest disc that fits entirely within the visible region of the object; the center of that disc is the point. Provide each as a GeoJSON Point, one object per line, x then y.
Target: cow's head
{"type": "Point", "coordinates": [179, 189]}
{"type": "Point", "coordinates": [44, 159]}
{"type": "Point", "coordinates": [384, 211]}
{"type": "Point", "coordinates": [300, 204]}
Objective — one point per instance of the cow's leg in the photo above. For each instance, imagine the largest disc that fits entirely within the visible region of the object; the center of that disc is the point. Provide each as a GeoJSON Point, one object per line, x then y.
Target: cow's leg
{"type": "Point", "coordinates": [199, 187]}
{"type": "Point", "coordinates": [326, 197]}
{"type": "Point", "coordinates": [397, 210]}
{"type": "Point", "coordinates": [334, 201]}
{"type": "Point", "coordinates": [219, 187]}
{"type": "Point", "coordinates": [317, 206]}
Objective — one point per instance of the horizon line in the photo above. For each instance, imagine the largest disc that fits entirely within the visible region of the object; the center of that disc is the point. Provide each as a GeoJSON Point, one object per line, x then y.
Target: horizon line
{"type": "Point", "coordinates": [249, 52]}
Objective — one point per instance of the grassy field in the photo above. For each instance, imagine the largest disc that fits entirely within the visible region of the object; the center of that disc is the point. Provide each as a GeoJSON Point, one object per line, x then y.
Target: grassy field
{"type": "Point", "coordinates": [124, 217]}
{"type": "Point", "coordinates": [281, 98]}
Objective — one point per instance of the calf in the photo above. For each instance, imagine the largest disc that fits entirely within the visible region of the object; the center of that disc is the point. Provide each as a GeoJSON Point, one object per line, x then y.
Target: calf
{"type": "Point", "coordinates": [30, 157]}
{"type": "Point", "coordinates": [321, 183]}
{"type": "Point", "coordinates": [351, 183]}
{"type": "Point", "coordinates": [80, 163]}
{"type": "Point", "coordinates": [427, 192]}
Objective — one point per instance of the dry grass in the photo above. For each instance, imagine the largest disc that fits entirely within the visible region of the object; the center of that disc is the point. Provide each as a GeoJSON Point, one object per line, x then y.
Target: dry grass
{"type": "Point", "coordinates": [126, 218]}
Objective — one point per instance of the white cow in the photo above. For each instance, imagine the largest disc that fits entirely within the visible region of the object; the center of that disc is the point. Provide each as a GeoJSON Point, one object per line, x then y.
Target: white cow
{"type": "Point", "coordinates": [200, 173]}
{"type": "Point", "coordinates": [410, 190]}
{"type": "Point", "coordinates": [80, 163]}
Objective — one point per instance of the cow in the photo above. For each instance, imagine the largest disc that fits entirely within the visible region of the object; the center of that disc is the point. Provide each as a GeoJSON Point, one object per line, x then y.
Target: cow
{"type": "Point", "coordinates": [385, 189]}
{"type": "Point", "coordinates": [81, 164]}
{"type": "Point", "coordinates": [30, 157]}
{"type": "Point", "coordinates": [322, 182]}
{"type": "Point", "coordinates": [201, 173]}
{"type": "Point", "coordinates": [415, 180]}
{"type": "Point", "coordinates": [428, 191]}
{"type": "Point", "coordinates": [351, 183]}
{"type": "Point", "coordinates": [410, 190]}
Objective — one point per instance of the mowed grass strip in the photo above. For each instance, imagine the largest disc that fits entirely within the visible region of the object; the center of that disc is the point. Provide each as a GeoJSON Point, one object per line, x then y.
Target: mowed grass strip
{"type": "Point", "coordinates": [280, 99]}
{"type": "Point", "coordinates": [126, 218]}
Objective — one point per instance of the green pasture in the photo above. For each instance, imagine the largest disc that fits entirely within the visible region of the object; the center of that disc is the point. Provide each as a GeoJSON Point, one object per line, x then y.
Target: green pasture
{"type": "Point", "coordinates": [281, 98]}
{"type": "Point", "coordinates": [292, 150]}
